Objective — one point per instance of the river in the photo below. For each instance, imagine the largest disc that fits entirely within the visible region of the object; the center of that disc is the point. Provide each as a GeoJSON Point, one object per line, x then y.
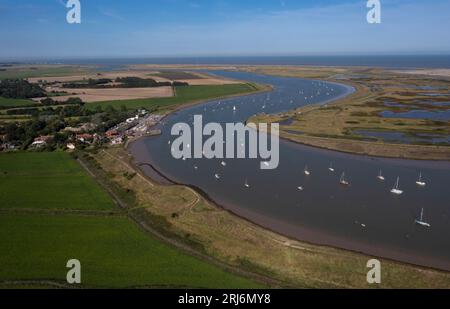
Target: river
{"type": "Point", "coordinates": [364, 217]}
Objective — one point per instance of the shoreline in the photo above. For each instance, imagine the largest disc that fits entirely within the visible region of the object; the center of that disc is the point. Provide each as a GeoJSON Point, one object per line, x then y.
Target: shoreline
{"type": "Point", "coordinates": [270, 224]}
{"type": "Point", "coordinates": [377, 149]}
{"type": "Point", "coordinates": [293, 232]}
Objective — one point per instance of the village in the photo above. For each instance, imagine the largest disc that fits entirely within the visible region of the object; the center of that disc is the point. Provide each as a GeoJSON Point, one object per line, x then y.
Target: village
{"type": "Point", "coordinates": [86, 134]}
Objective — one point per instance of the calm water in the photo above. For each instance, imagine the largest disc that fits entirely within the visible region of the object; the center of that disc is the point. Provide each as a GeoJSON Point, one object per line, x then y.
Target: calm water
{"type": "Point", "coordinates": [363, 217]}
{"type": "Point", "coordinates": [419, 114]}
{"type": "Point", "coordinates": [388, 61]}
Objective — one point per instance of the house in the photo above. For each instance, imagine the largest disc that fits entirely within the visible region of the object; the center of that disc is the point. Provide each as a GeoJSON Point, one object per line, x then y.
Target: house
{"type": "Point", "coordinates": [117, 140]}
{"type": "Point", "coordinates": [41, 141]}
{"type": "Point", "coordinates": [84, 138]}
{"type": "Point", "coordinates": [112, 133]}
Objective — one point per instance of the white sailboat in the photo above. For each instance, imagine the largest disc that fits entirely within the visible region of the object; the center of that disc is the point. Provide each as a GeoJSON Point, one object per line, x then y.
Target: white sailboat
{"type": "Point", "coordinates": [343, 181]}
{"type": "Point", "coordinates": [380, 176]}
{"type": "Point", "coordinates": [331, 168]}
{"type": "Point", "coordinates": [421, 221]}
{"type": "Point", "coordinates": [246, 184]}
{"type": "Point", "coordinates": [307, 172]}
{"type": "Point", "coordinates": [420, 182]}
{"type": "Point", "coordinates": [396, 189]}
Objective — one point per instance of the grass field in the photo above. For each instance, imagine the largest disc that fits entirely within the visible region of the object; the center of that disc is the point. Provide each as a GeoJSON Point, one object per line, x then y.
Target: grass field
{"type": "Point", "coordinates": [183, 95]}
{"type": "Point", "coordinates": [5, 102]}
{"type": "Point", "coordinates": [52, 211]}
{"type": "Point", "coordinates": [48, 181]}
{"type": "Point", "coordinates": [41, 71]}
{"type": "Point", "coordinates": [113, 252]}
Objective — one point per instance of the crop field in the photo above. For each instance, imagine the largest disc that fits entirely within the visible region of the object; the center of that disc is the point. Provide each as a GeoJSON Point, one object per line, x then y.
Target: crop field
{"type": "Point", "coordinates": [51, 211]}
{"type": "Point", "coordinates": [184, 95]}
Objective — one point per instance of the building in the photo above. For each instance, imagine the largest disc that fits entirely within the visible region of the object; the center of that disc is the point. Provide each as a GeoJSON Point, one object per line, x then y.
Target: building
{"type": "Point", "coordinates": [41, 141]}
{"type": "Point", "coordinates": [84, 138]}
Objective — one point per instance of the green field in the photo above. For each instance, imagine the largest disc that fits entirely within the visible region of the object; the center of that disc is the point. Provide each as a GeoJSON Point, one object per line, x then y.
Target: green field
{"type": "Point", "coordinates": [48, 181]}
{"type": "Point", "coordinates": [36, 241]}
{"type": "Point", "coordinates": [183, 95]}
{"type": "Point", "coordinates": [113, 252]}
{"type": "Point", "coordinates": [28, 72]}
{"type": "Point", "coordinates": [6, 102]}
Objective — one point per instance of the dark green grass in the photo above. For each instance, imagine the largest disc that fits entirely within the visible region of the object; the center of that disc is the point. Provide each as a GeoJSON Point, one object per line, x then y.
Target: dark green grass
{"type": "Point", "coordinates": [6, 102]}
{"type": "Point", "coordinates": [113, 253]}
{"type": "Point", "coordinates": [174, 75]}
{"type": "Point", "coordinates": [48, 181]}
{"type": "Point", "coordinates": [183, 95]}
{"type": "Point", "coordinates": [41, 72]}
{"type": "Point", "coordinates": [113, 250]}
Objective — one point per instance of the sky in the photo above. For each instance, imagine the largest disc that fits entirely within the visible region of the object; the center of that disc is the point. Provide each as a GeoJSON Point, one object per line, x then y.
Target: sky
{"type": "Point", "coordinates": [33, 29]}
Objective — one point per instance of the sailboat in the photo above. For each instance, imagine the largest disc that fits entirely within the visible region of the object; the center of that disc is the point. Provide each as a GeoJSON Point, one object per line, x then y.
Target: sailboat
{"type": "Point", "coordinates": [307, 172]}
{"type": "Point", "coordinates": [246, 184]}
{"type": "Point", "coordinates": [380, 176]}
{"type": "Point", "coordinates": [331, 169]}
{"type": "Point", "coordinates": [343, 181]}
{"type": "Point", "coordinates": [396, 189]}
{"type": "Point", "coordinates": [421, 221]}
{"type": "Point", "coordinates": [420, 182]}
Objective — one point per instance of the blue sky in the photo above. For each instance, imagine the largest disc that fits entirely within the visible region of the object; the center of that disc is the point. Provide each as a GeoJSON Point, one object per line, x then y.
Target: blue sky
{"type": "Point", "coordinates": [129, 28]}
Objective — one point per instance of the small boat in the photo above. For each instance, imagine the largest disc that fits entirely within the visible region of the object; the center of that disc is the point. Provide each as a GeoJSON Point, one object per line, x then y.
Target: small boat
{"type": "Point", "coordinates": [217, 176]}
{"type": "Point", "coordinates": [307, 172]}
{"type": "Point", "coordinates": [223, 163]}
{"type": "Point", "coordinates": [343, 181]}
{"type": "Point", "coordinates": [234, 108]}
{"type": "Point", "coordinates": [421, 222]}
{"type": "Point", "coordinates": [420, 182]}
{"type": "Point", "coordinates": [195, 167]}
{"type": "Point", "coordinates": [331, 168]}
{"type": "Point", "coordinates": [380, 176]}
{"type": "Point", "coordinates": [246, 184]}
{"type": "Point", "coordinates": [300, 188]}
{"type": "Point", "coordinates": [396, 189]}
